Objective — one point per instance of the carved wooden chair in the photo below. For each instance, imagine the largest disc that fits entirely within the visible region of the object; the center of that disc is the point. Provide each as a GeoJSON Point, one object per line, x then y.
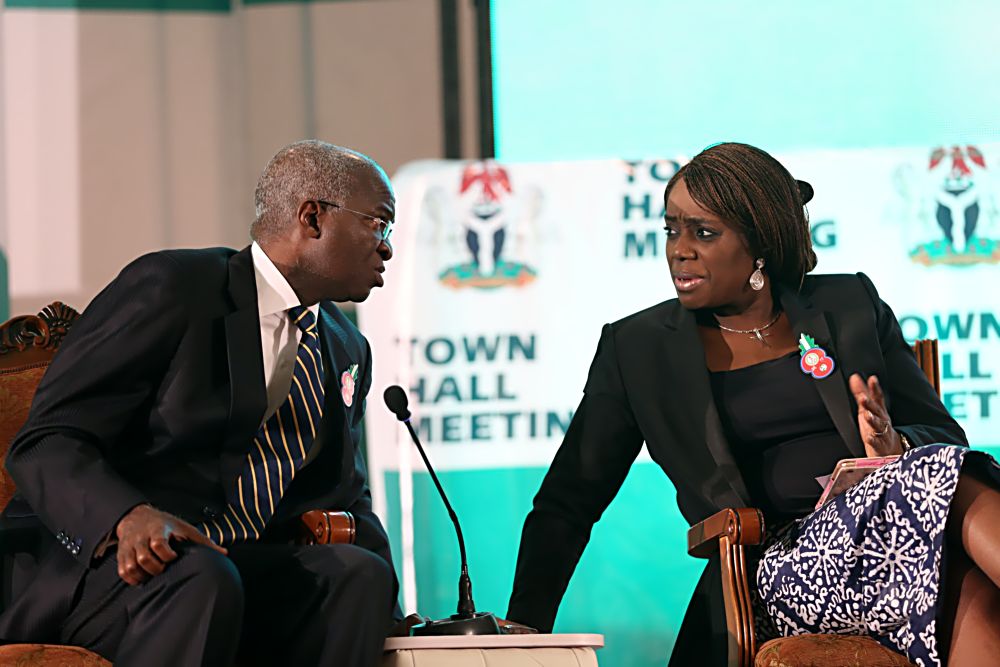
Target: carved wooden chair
{"type": "Point", "coordinates": [728, 531]}
{"type": "Point", "coordinates": [27, 345]}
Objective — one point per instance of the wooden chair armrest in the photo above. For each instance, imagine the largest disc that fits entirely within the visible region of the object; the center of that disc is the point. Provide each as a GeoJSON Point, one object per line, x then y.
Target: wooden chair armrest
{"type": "Point", "coordinates": [326, 527]}
{"type": "Point", "coordinates": [742, 525]}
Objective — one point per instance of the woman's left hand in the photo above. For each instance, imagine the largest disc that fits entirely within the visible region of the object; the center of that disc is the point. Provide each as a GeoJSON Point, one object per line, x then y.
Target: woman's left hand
{"type": "Point", "coordinates": [873, 418]}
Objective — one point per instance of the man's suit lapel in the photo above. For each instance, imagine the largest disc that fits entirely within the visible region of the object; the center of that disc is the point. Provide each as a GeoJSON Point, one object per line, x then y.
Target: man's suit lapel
{"type": "Point", "coordinates": [248, 399]}
{"type": "Point", "coordinates": [335, 342]}
{"type": "Point", "coordinates": [335, 350]}
{"type": "Point", "coordinates": [685, 356]}
{"type": "Point", "coordinates": [804, 318]}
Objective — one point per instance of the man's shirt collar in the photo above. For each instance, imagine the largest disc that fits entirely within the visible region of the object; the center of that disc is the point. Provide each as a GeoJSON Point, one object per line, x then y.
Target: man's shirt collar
{"type": "Point", "coordinates": [274, 294]}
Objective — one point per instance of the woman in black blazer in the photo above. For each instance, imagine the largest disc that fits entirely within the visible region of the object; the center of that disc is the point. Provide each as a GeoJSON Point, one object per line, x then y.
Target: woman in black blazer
{"type": "Point", "coordinates": [752, 383]}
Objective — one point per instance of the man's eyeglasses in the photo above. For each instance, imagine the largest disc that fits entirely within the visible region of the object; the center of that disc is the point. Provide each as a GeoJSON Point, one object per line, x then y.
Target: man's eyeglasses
{"type": "Point", "coordinates": [383, 228]}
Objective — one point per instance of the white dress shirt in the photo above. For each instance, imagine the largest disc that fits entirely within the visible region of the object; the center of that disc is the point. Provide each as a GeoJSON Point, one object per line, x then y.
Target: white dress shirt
{"type": "Point", "coordinates": [279, 338]}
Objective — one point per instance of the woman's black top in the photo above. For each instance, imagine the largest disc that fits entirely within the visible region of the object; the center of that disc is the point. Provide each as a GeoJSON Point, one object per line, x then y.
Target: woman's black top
{"type": "Point", "coordinates": [780, 432]}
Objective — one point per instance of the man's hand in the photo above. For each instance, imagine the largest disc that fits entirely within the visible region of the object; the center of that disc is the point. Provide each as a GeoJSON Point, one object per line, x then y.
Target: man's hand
{"type": "Point", "coordinates": [144, 536]}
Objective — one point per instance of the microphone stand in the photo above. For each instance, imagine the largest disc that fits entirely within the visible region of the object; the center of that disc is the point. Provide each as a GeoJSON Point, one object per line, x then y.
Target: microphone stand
{"type": "Point", "coordinates": [467, 621]}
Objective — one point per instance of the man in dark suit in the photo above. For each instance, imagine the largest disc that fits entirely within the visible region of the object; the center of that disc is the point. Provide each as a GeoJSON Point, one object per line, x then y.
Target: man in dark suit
{"type": "Point", "coordinates": [204, 400]}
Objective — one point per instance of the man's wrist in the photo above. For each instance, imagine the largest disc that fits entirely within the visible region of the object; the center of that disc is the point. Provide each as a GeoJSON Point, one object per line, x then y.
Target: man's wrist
{"type": "Point", "coordinates": [128, 514]}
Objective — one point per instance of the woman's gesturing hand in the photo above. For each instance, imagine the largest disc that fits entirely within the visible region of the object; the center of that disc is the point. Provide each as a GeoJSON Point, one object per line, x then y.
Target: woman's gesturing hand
{"type": "Point", "coordinates": [877, 434]}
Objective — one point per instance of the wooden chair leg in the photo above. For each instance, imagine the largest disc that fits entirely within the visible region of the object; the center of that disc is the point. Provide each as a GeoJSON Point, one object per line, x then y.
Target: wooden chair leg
{"type": "Point", "coordinates": [739, 614]}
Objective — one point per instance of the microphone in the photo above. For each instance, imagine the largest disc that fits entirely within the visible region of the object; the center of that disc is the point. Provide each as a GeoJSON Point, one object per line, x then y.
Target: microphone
{"type": "Point", "coordinates": [467, 621]}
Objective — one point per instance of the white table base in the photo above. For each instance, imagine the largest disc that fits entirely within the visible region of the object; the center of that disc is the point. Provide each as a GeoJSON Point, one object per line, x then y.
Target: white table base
{"type": "Point", "coordinates": [563, 650]}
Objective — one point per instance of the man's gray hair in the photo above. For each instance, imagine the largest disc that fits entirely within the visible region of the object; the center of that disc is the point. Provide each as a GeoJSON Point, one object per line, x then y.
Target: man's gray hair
{"type": "Point", "coordinates": [304, 170]}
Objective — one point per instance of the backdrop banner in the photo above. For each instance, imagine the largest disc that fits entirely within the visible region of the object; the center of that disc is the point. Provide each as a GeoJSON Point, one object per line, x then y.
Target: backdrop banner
{"type": "Point", "coordinates": [504, 273]}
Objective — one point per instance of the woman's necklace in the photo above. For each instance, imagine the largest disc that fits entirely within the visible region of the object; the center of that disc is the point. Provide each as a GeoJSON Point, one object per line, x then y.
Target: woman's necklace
{"type": "Point", "coordinates": [756, 332]}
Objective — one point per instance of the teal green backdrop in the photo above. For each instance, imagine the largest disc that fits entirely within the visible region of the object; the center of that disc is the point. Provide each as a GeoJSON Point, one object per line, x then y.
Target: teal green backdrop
{"type": "Point", "coordinates": [615, 585]}
{"type": "Point", "coordinates": [650, 78]}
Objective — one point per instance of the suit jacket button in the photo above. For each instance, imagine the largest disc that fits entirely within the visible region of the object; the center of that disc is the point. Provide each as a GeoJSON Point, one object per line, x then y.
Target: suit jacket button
{"type": "Point", "coordinates": [209, 512]}
{"type": "Point", "coordinates": [75, 550]}
{"type": "Point", "coordinates": [60, 535]}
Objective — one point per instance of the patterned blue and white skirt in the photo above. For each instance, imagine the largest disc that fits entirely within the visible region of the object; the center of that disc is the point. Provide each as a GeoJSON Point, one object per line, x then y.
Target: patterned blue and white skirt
{"type": "Point", "coordinates": [869, 561]}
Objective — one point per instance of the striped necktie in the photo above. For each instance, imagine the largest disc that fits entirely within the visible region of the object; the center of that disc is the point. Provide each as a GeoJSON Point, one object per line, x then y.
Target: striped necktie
{"type": "Point", "coordinates": [279, 448]}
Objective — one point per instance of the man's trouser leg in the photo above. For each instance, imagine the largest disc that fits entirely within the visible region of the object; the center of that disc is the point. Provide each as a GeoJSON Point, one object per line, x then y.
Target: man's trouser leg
{"type": "Point", "coordinates": [189, 615]}
{"type": "Point", "coordinates": [313, 605]}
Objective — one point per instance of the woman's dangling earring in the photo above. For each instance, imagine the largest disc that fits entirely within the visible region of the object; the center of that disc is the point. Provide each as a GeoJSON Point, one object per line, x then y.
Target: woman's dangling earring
{"type": "Point", "coordinates": [757, 277]}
